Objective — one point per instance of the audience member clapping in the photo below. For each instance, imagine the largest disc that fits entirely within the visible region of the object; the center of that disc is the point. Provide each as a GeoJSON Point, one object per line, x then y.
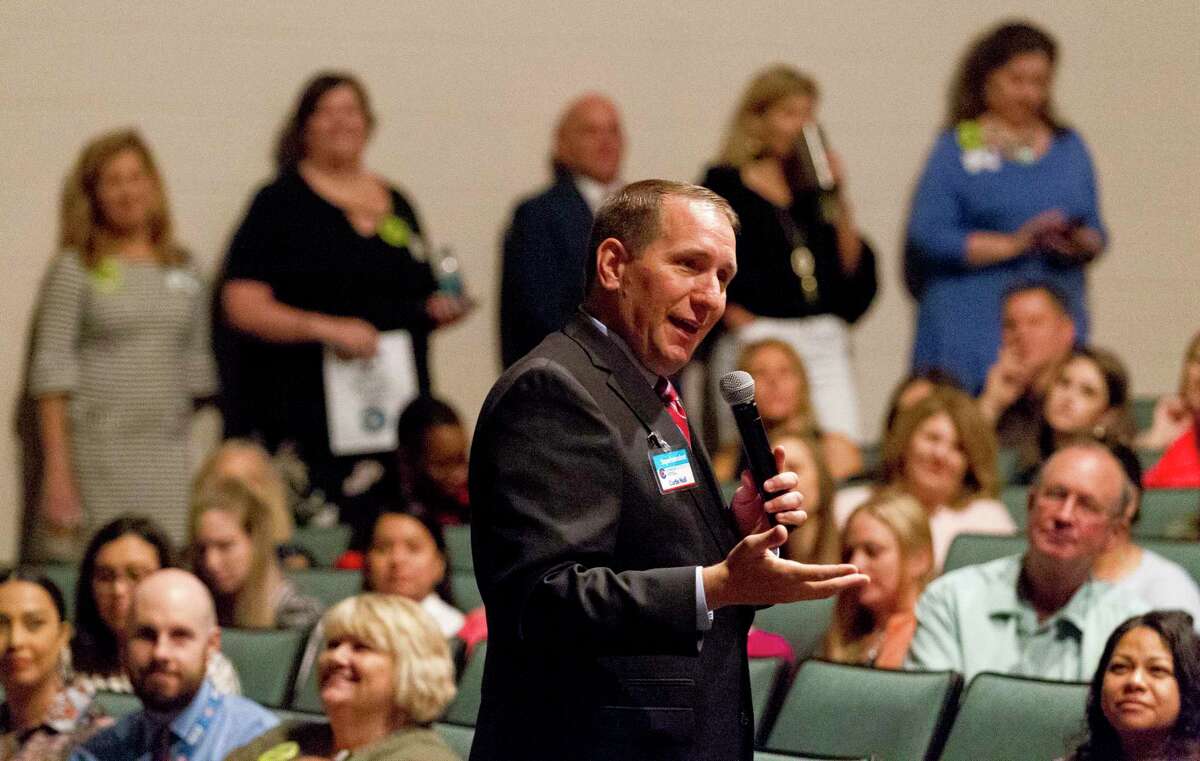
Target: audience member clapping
{"type": "Point", "coordinates": [385, 674]}
{"type": "Point", "coordinates": [43, 715]}
{"type": "Point", "coordinates": [942, 453]}
{"type": "Point", "coordinates": [888, 539]}
{"type": "Point", "coordinates": [234, 535]}
{"type": "Point", "coordinates": [172, 633]}
{"type": "Point", "coordinates": [120, 351]}
{"type": "Point", "coordinates": [1089, 397]}
{"type": "Point", "coordinates": [1144, 702]}
{"type": "Point", "coordinates": [433, 461]}
{"type": "Point", "coordinates": [817, 540]}
{"type": "Point", "coordinates": [1008, 195]}
{"type": "Point", "coordinates": [1041, 614]}
{"type": "Point", "coordinates": [121, 554]}
{"type": "Point", "coordinates": [1177, 424]}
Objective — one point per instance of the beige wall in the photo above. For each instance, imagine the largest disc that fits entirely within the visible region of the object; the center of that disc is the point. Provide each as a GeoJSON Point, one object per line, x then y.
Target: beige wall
{"type": "Point", "coordinates": [466, 93]}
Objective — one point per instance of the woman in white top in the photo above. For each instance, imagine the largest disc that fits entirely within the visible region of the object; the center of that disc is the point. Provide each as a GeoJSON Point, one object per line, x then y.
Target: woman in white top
{"type": "Point", "coordinates": [943, 453]}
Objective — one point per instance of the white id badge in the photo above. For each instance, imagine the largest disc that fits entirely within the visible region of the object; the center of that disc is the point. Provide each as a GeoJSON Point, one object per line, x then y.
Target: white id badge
{"type": "Point", "coordinates": [673, 469]}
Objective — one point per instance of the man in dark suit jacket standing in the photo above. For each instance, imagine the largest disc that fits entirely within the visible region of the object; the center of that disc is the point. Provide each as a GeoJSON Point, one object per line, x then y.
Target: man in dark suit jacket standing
{"type": "Point", "coordinates": [545, 247]}
{"type": "Point", "coordinates": [618, 586]}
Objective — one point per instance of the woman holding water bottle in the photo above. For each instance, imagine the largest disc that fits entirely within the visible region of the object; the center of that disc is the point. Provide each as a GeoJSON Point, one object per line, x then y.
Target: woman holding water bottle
{"type": "Point", "coordinates": [329, 260]}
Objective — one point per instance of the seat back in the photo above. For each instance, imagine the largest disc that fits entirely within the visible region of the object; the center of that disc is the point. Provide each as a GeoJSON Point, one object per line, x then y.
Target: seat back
{"type": "Point", "coordinates": [765, 675]}
{"type": "Point", "coordinates": [458, 548]}
{"type": "Point", "coordinates": [835, 709]}
{"type": "Point", "coordinates": [1168, 514]}
{"type": "Point", "coordinates": [458, 738]}
{"type": "Point", "coordinates": [326, 543]}
{"type": "Point", "coordinates": [1020, 718]}
{"type": "Point", "coordinates": [329, 585]}
{"type": "Point", "coordinates": [972, 549]}
{"type": "Point", "coordinates": [464, 710]}
{"type": "Point", "coordinates": [118, 704]}
{"type": "Point", "coordinates": [65, 576]}
{"type": "Point", "coordinates": [1016, 499]}
{"type": "Point", "coordinates": [803, 624]}
{"type": "Point", "coordinates": [265, 660]}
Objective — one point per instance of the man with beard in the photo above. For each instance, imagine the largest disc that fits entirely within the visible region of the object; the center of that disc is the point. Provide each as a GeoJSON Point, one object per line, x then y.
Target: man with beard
{"type": "Point", "coordinates": [173, 633]}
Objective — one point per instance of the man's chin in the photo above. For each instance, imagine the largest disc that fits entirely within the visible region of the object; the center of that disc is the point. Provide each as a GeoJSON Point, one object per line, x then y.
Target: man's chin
{"type": "Point", "coordinates": [163, 703]}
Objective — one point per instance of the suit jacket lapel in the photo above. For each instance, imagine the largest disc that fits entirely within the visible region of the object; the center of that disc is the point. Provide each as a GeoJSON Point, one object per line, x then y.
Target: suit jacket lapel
{"type": "Point", "coordinates": [628, 383]}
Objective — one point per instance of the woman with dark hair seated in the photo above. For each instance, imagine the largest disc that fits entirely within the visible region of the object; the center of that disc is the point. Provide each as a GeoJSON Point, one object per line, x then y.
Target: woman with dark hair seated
{"type": "Point", "coordinates": [43, 716]}
{"type": "Point", "coordinates": [1144, 703]}
{"type": "Point", "coordinates": [118, 556]}
{"type": "Point", "coordinates": [385, 675]}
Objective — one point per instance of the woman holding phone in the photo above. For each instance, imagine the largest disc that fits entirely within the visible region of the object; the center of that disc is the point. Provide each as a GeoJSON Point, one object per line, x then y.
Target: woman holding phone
{"type": "Point", "coordinates": [804, 272]}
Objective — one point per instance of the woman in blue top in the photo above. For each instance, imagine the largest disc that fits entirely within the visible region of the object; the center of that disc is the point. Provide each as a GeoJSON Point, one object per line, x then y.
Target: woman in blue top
{"type": "Point", "coordinates": [1008, 196]}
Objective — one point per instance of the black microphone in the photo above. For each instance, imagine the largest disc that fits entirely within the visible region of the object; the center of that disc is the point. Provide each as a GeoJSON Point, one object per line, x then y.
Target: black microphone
{"type": "Point", "coordinates": [737, 388]}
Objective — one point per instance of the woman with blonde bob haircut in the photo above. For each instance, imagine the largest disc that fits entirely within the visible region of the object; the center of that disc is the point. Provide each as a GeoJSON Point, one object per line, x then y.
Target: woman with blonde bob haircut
{"type": "Point", "coordinates": [942, 453]}
{"type": "Point", "coordinates": [120, 352]}
{"type": "Point", "coordinates": [235, 533]}
{"type": "Point", "coordinates": [385, 674]}
{"type": "Point", "coordinates": [888, 539]}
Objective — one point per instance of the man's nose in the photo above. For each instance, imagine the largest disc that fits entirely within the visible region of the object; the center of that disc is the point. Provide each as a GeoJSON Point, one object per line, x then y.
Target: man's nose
{"type": "Point", "coordinates": [1067, 509]}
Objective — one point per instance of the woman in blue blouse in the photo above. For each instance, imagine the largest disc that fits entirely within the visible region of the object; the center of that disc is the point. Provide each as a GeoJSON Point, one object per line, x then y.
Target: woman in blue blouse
{"type": "Point", "coordinates": [1008, 196]}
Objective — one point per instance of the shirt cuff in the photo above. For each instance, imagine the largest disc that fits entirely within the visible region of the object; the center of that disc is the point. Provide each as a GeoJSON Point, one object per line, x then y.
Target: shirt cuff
{"type": "Point", "coordinates": [704, 616]}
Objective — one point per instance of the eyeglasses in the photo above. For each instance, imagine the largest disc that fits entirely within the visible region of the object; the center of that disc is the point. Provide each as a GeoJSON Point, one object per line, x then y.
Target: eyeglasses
{"type": "Point", "coordinates": [1086, 504]}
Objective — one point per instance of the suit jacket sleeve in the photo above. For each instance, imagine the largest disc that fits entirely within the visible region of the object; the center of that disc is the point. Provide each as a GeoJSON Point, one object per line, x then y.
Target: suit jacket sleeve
{"type": "Point", "coordinates": [548, 487]}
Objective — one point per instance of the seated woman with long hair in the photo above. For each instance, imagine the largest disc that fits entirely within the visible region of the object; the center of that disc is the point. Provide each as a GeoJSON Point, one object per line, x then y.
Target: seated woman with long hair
{"type": "Point", "coordinates": [817, 540]}
{"type": "Point", "coordinates": [43, 715]}
{"type": "Point", "coordinates": [1089, 396]}
{"type": "Point", "coordinates": [385, 675]}
{"type": "Point", "coordinates": [888, 539]}
{"type": "Point", "coordinates": [782, 393]}
{"type": "Point", "coordinates": [120, 554]}
{"type": "Point", "coordinates": [1144, 703]}
{"type": "Point", "coordinates": [235, 532]}
{"type": "Point", "coordinates": [942, 453]}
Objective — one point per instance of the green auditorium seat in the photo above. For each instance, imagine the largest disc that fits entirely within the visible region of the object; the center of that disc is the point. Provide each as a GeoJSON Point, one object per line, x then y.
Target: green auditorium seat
{"type": "Point", "coordinates": [972, 549]}
{"type": "Point", "coordinates": [1143, 411]}
{"type": "Point", "coordinates": [803, 624]}
{"type": "Point", "coordinates": [1007, 718]}
{"type": "Point", "coordinates": [1186, 554]}
{"type": "Point", "coordinates": [458, 738]}
{"type": "Point", "coordinates": [265, 660]}
{"type": "Point", "coordinates": [458, 548]}
{"type": "Point", "coordinates": [764, 755]}
{"type": "Point", "coordinates": [1016, 499]}
{"type": "Point", "coordinates": [835, 709]}
{"type": "Point", "coordinates": [1168, 514]}
{"type": "Point", "coordinates": [326, 543]}
{"type": "Point", "coordinates": [65, 576]}
{"type": "Point", "coordinates": [1007, 459]}
{"type": "Point", "coordinates": [465, 707]}
{"type": "Point", "coordinates": [1148, 458]}
{"type": "Point", "coordinates": [329, 585]}
{"type": "Point", "coordinates": [465, 590]}
{"type": "Point", "coordinates": [118, 704]}
{"type": "Point", "coordinates": [765, 675]}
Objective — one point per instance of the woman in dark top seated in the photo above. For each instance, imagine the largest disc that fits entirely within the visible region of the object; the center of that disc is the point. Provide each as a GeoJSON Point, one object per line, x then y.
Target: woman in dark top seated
{"type": "Point", "coordinates": [1144, 703]}
{"type": "Point", "coordinates": [804, 272]}
{"type": "Point", "coordinates": [385, 675]}
{"type": "Point", "coordinates": [329, 255]}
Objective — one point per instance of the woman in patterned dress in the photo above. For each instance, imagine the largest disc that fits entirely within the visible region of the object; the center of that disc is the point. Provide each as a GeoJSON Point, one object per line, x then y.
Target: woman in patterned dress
{"type": "Point", "coordinates": [120, 351]}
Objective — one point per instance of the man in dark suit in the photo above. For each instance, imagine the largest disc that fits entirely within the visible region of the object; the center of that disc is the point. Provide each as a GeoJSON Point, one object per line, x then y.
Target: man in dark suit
{"type": "Point", "coordinates": [618, 586]}
{"type": "Point", "coordinates": [545, 247]}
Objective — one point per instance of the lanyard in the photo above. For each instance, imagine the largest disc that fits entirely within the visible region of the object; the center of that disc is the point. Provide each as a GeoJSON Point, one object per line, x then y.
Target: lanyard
{"type": "Point", "coordinates": [195, 733]}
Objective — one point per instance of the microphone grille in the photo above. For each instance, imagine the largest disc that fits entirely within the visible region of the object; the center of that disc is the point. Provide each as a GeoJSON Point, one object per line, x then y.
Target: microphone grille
{"type": "Point", "coordinates": [737, 387]}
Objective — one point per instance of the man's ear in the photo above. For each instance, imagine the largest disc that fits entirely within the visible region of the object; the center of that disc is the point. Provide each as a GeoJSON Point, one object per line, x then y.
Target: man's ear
{"type": "Point", "coordinates": [214, 642]}
{"type": "Point", "coordinates": [611, 258]}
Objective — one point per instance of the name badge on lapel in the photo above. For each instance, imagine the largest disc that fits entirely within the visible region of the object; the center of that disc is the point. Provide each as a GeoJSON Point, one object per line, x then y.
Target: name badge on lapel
{"type": "Point", "coordinates": [673, 469]}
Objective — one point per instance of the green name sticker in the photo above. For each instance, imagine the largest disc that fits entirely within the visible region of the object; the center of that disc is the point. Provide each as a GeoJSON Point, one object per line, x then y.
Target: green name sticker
{"type": "Point", "coordinates": [394, 231]}
{"type": "Point", "coordinates": [106, 275]}
{"type": "Point", "coordinates": [281, 752]}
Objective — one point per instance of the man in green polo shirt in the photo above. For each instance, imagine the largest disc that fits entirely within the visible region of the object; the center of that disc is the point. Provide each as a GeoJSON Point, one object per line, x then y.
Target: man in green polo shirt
{"type": "Point", "coordinates": [1041, 614]}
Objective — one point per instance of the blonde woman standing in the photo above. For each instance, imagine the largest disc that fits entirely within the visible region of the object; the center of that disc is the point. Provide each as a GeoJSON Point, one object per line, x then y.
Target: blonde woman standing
{"type": "Point", "coordinates": [120, 350]}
